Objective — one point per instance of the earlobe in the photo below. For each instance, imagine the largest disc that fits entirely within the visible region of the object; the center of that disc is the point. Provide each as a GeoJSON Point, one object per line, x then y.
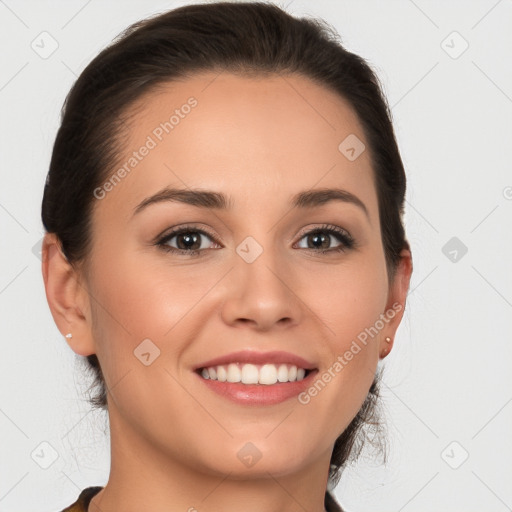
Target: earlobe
{"type": "Point", "coordinates": [387, 349]}
{"type": "Point", "coordinates": [66, 297]}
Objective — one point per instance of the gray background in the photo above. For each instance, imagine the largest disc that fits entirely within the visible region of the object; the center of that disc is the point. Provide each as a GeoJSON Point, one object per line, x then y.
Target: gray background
{"type": "Point", "coordinates": [447, 392]}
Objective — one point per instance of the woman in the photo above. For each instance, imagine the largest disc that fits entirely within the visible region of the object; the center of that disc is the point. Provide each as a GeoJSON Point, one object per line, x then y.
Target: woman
{"type": "Point", "coordinates": [225, 246]}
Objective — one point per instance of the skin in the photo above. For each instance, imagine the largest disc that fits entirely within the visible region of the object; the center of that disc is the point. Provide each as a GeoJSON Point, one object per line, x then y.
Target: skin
{"type": "Point", "coordinates": [174, 443]}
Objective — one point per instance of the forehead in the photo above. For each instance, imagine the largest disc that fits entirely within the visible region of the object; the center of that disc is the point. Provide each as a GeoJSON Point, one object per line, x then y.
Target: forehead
{"type": "Point", "coordinates": [254, 138]}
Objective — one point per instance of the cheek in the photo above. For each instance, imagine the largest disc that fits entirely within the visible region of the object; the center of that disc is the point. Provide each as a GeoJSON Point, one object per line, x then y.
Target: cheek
{"type": "Point", "coordinates": [139, 297]}
{"type": "Point", "coordinates": [348, 299]}
{"type": "Point", "coordinates": [144, 308]}
{"type": "Point", "coordinates": [146, 297]}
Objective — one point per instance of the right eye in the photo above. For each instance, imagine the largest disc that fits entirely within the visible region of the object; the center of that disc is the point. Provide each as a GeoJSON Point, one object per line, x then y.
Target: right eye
{"type": "Point", "coordinates": [188, 240]}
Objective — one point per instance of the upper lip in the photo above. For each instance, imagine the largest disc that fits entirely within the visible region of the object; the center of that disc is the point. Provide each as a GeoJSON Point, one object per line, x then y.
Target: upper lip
{"type": "Point", "coordinates": [251, 356]}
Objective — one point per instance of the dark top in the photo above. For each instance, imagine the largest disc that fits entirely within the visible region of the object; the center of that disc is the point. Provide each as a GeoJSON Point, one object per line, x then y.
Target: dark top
{"type": "Point", "coordinates": [82, 503]}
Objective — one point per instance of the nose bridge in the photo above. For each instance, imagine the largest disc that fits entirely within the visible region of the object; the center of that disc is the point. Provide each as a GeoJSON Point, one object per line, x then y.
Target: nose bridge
{"type": "Point", "coordinates": [261, 287]}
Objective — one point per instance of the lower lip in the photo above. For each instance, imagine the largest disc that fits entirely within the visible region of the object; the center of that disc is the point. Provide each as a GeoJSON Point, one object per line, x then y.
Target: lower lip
{"type": "Point", "coordinates": [259, 394]}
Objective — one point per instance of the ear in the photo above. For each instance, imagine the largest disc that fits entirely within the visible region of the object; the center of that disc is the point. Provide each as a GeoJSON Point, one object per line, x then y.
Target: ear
{"type": "Point", "coordinates": [67, 297]}
{"type": "Point", "coordinates": [395, 306]}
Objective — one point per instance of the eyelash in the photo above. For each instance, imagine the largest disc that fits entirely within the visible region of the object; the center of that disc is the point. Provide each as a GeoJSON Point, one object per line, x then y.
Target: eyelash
{"type": "Point", "coordinates": [347, 242]}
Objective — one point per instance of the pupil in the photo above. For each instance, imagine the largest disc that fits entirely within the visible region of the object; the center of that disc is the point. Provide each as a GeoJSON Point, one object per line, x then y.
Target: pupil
{"type": "Point", "coordinates": [317, 237]}
{"type": "Point", "coordinates": [189, 239]}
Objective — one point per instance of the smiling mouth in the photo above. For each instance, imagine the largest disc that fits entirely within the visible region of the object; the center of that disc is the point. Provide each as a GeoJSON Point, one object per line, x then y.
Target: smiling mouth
{"type": "Point", "coordinates": [247, 373]}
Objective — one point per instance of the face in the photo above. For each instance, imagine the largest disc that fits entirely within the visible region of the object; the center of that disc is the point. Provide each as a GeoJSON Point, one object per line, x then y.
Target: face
{"type": "Point", "coordinates": [278, 281]}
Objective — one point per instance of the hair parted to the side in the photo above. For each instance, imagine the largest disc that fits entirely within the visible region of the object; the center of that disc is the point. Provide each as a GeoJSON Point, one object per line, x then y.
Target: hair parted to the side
{"type": "Point", "coordinates": [247, 38]}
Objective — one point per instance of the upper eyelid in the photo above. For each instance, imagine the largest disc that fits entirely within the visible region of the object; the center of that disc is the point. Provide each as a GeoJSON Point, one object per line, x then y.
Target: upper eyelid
{"type": "Point", "coordinates": [184, 229]}
{"type": "Point", "coordinates": [324, 227]}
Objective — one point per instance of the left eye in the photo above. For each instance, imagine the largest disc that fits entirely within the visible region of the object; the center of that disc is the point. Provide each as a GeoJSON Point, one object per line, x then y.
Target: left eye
{"type": "Point", "coordinates": [320, 237]}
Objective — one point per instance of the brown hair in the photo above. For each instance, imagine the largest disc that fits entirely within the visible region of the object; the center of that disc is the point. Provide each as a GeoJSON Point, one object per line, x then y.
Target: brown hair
{"type": "Point", "coordinates": [244, 38]}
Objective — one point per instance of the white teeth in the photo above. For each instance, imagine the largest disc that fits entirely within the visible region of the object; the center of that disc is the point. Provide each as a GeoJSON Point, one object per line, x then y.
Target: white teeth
{"type": "Point", "coordinates": [234, 373]}
{"type": "Point", "coordinates": [282, 373]}
{"type": "Point", "coordinates": [266, 374]}
{"type": "Point", "coordinates": [222, 375]}
{"type": "Point", "coordinates": [249, 374]}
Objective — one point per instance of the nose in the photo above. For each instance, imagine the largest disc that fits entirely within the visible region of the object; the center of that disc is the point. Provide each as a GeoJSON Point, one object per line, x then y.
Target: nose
{"type": "Point", "coordinates": [261, 294]}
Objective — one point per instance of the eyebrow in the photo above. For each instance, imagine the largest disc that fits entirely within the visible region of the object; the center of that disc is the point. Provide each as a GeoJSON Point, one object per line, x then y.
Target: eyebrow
{"type": "Point", "coordinates": [219, 201]}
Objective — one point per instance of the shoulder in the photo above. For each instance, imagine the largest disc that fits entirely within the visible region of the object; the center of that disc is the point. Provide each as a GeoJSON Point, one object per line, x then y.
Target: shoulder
{"type": "Point", "coordinates": [81, 504]}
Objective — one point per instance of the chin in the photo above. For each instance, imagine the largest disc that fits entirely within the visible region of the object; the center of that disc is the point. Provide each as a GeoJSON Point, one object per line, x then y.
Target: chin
{"type": "Point", "coordinates": [246, 460]}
